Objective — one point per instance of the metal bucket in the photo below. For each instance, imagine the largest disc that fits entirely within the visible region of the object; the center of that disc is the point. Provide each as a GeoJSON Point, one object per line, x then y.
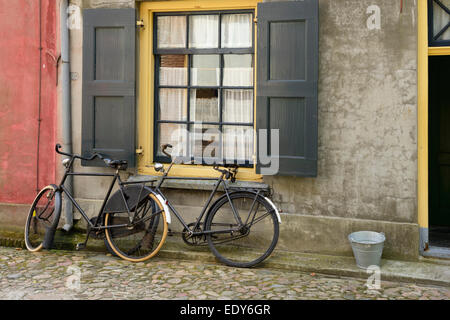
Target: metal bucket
{"type": "Point", "coordinates": [367, 247]}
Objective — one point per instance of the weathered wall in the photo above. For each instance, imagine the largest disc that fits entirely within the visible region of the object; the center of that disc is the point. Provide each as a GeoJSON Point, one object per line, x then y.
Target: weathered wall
{"type": "Point", "coordinates": [19, 99]}
{"type": "Point", "coordinates": [367, 133]}
{"type": "Point", "coordinates": [367, 117]}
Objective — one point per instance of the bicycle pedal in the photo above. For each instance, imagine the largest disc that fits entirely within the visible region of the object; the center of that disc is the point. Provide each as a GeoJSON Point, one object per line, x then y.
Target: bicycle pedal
{"type": "Point", "coordinates": [80, 246]}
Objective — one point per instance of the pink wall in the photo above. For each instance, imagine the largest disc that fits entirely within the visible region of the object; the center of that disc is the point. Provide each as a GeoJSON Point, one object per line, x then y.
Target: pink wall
{"type": "Point", "coordinates": [19, 97]}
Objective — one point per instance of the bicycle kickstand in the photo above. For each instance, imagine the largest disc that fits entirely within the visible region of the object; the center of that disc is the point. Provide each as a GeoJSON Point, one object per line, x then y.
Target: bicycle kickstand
{"type": "Point", "coordinates": [82, 245]}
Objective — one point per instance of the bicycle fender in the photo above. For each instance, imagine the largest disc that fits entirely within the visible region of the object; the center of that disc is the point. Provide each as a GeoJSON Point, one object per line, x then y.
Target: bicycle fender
{"type": "Point", "coordinates": [165, 207]}
{"type": "Point", "coordinates": [274, 208]}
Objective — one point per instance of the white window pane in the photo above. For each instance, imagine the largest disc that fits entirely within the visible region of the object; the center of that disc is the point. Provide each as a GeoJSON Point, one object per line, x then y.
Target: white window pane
{"type": "Point", "coordinates": [205, 142]}
{"type": "Point", "coordinates": [171, 32]}
{"type": "Point", "coordinates": [440, 19]}
{"type": "Point", "coordinates": [236, 31]}
{"type": "Point", "coordinates": [173, 104]}
{"type": "Point", "coordinates": [238, 143]}
{"type": "Point", "coordinates": [173, 70]}
{"type": "Point", "coordinates": [204, 105]}
{"type": "Point", "coordinates": [238, 70]}
{"type": "Point", "coordinates": [205, 70]}
{"type": "Point", "coordinates": [203, 31]}
{"type": "Point", "coordinates": [174, 134]}
{"type": "Point", "coordinates": [238, 106]}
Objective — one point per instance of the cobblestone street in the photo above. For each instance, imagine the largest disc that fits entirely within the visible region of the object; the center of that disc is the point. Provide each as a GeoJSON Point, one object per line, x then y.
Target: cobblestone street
{"type": "Point", "coordinates": [93, 275]}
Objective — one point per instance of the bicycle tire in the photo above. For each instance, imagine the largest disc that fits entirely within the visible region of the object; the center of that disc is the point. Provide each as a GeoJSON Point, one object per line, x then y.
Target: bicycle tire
{"type": "Point", "coordinates": [130, 249]}
{"type": "Point", "coordinates": [44, 214]}
{"type": "Point", "coordinates": [252, 244]}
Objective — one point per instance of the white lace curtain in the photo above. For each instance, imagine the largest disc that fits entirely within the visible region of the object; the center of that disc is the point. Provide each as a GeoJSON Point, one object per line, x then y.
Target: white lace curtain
{"type": "Point", "coordinates": [204, 109]}
{"type": "Point", "coordinates": [172, 76]}
{"type": "Point", "coordinates": [238, 106]}
{"type": "Point", "coordinates": [171, 31]}
{"type": "Point", "coordinates": [238, 140]}
{"type": "Point", "coordinates": [238, 143]}
{"type": "Point", "coordinates": [236, 31]}
{"type": "Point", "coordinates": [203, 31]}
{"type": "Point", "coordinates": [238, 76]}
{"type": "Point", "coordinates": [173, 104]}
{"type": "Point", "coordinates": [175, 134]}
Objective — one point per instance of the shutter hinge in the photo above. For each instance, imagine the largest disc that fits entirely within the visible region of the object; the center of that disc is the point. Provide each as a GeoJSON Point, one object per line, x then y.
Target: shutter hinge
{"type": "Point", "coordinates": [140, 23]}
{"type": "Point", "coordinates": [255, 19]}
{"type": "Point", "coordinates": [139, 151]}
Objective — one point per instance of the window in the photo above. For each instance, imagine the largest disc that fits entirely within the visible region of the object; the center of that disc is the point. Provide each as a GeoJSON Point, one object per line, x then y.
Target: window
{"type": "Point", "coordinates": [439, 22]}
{"type": "Point", "coordinates": [204, 86]}
{"type": "Point", "coordinates": [196, 74]}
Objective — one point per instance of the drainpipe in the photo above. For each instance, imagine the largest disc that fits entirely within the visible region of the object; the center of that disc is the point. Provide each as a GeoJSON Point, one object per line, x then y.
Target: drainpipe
{"type": "Point", "coordinates": [66, 105]}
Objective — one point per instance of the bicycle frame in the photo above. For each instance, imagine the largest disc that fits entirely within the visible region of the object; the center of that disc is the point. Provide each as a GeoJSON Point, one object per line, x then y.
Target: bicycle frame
{"type": "Point", "coordinates": [116, 177]}
{"type": "Point", "coordinates": [219, 180]}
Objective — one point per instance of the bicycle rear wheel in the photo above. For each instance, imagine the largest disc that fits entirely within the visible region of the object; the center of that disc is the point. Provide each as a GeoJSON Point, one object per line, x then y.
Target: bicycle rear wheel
{"type": "Point", "coordinates": [43, 215]}
{"type": "Point", "coordinates": [144, 238]}
{"type": "Point", "coordinates": [247, 245]}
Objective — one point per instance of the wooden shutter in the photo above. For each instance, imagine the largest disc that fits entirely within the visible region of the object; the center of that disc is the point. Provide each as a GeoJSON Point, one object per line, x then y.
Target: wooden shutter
{"type": "Point", "coordinates": [287, 74]}
{"type": "Point", "coordinates": [109, 84]}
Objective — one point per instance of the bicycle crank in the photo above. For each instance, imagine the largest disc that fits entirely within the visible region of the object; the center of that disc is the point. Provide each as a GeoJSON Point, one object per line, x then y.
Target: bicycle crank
{"type": "Point", "coordinates": [193, 240]}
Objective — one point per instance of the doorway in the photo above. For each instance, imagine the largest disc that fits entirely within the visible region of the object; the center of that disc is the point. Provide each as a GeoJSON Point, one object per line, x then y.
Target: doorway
{"type": "Point", "coordinates": [439, 151]}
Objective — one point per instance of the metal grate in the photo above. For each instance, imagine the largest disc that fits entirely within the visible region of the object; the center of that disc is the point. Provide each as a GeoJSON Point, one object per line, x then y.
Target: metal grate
{"type": "Point", "coordinates": [438, 23]}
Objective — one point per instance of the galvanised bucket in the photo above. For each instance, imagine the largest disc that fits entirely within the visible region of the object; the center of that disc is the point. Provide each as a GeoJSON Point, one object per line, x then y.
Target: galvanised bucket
{"type": "Point", "coordinates": [367, 247]}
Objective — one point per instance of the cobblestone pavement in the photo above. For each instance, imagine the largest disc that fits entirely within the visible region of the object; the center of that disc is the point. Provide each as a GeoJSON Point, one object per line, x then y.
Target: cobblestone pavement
{"type": "Point", "coordinates": [90, 275]}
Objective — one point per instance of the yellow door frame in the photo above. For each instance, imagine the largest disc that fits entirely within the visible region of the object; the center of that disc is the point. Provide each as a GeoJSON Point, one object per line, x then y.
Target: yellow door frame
{"type": "Point", "coordinates": [146, 87]}
{"type": "Point", "coordinates": [422, 122]}
{"type": "Point", "coordinates": [424, 51]}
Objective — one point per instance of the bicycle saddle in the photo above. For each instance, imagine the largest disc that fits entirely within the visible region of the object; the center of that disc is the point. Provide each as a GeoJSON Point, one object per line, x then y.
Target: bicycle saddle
{"type": "Point", "coordinates": [117, 164]}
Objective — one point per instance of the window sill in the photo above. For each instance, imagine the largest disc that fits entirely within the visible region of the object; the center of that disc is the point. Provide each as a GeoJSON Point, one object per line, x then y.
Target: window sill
{"type": "Point", "coordinates": [195, 171]}
{"type": "Point", "coordinates": [199, 184]}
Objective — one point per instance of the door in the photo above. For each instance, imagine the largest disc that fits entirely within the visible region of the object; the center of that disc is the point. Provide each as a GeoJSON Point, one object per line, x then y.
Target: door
{"type": "Point", "coordinates": [439, 160]}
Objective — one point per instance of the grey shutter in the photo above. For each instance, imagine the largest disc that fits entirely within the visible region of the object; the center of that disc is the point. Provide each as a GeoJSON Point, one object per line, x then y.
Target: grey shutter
{"type": "Point", "coordinates": [109, 84]}
{"type": "Point", "coordinates": [287, 75]}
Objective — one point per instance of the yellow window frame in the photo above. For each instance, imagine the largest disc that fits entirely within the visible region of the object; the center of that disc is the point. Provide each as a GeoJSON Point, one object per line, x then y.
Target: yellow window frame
{"type": "Point", "coordinates": [146, 85]}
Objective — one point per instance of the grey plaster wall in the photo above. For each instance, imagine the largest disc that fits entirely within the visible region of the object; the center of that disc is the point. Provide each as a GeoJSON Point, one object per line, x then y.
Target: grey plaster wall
{"type": "Point", "coordinates": [367, 117]}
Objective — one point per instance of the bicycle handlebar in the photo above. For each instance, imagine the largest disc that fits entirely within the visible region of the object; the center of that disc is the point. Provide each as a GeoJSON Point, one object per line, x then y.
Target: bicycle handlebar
{"type": "Point", "coordinates": [95, 155]}
{"type": "Point", "coordinates": [229, 172]}
{"type": "Point", "coordinates": [164, 147]}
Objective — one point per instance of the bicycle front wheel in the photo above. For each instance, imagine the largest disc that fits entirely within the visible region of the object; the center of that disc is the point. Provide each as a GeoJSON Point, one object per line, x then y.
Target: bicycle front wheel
{"type": "Point", "coordinates": [43, 215]}
{"type": "Point", "coordinates": [144, 238]}
{"type": "Point", "coordinates": [247, 242]}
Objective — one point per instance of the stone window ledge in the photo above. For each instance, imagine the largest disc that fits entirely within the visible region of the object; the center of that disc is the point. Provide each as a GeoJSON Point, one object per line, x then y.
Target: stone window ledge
{"type": "Point", "coordinates": [199, 184]}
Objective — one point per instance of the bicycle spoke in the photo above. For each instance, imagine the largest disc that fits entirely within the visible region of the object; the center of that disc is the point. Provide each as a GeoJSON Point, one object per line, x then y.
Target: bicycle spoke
{"type": "Point", "coordinates": [259, 219]}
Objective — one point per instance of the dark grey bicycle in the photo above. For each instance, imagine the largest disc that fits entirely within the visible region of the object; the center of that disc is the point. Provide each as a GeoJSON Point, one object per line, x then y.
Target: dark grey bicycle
{"type": "Point", "coordinates": [241, 227]}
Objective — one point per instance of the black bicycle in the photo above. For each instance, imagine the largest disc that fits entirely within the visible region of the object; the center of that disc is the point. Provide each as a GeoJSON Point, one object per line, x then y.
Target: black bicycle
{"type": "Point", "coordinates": [132, 221]}
{"type": "Point", "coordinates": [241, 227]}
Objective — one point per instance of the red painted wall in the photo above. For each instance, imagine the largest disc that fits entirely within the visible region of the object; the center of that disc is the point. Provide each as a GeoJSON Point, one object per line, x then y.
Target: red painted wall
{"type": "Point", "coordinates": [20, 80]}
